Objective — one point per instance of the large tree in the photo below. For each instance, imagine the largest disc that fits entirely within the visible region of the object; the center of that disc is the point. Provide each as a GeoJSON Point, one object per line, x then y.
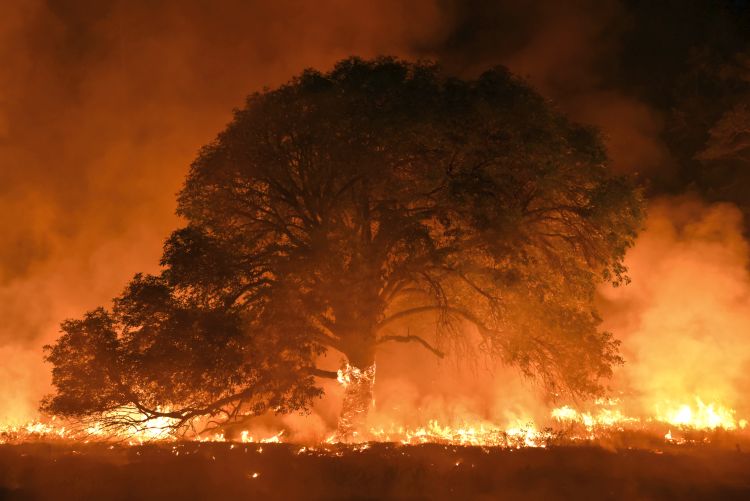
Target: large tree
{"type": "Point", "coordinates": [379, 202]}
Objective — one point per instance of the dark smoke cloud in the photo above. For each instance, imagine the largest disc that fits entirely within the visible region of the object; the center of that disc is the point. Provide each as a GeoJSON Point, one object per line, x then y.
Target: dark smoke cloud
{"type": "Point", "coordinates": [569, 51]}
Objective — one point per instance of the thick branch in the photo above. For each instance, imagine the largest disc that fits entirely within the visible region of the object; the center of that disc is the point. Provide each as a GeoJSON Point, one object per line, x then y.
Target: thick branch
{"type": "Point", "coordinates": [407, 313]}
{"type": "Point", "coordinates": [322, 373]}
{"type": "Point", "coordinates": [440, 309]}
{"type": "Point", "coordinates": [325, 334]}
{"type": "Point", "coordinates": [411, 338]}
{"type": "Point", "coordinates": [186, 414]}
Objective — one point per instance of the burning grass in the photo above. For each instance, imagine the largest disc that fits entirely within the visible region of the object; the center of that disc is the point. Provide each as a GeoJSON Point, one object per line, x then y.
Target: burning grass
{"type": "Point", "coordinates": [673, 424]}
{"type": "Point", "coordinates": [598, 453]}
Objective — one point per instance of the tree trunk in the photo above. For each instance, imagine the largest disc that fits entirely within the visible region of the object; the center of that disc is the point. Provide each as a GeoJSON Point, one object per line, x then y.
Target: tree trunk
{"type": "Point", "coordinates": [358, 378]}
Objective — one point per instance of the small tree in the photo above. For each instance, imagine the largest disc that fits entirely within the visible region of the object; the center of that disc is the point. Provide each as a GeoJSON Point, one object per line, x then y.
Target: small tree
{"type": "Point", "coordinates": [342, 208]}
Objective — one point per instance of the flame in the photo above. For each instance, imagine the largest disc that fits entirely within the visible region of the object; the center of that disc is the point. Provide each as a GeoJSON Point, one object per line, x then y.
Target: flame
{"type": "Point", "coordinates": [702, 416]}
{"type": "Point", "coordinates": [602, 418]}
{"type": "Point", "coordinates": [606, 416]}
{"type": "Point", "coordinates": [516, 434]}
{"type": "Point", "coordinates": [520, 434]}
{"type": "Point", "coordinates": [358, 388]}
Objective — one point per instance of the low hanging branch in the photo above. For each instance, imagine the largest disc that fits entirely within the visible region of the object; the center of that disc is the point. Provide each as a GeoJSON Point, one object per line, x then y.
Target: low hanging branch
{"type": "Point", "coordinates": [322, 373]}
{"type": "Point", "coordinates": [412, 338]}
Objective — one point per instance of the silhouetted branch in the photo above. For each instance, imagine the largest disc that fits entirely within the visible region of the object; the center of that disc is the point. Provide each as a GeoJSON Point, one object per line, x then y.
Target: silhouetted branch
{"type": "Point", "coordinates": [322, 373]}
{"type": "Point", "coordinates": [412, 338]}
{"type": "Point", "coordinates": [483, 329]}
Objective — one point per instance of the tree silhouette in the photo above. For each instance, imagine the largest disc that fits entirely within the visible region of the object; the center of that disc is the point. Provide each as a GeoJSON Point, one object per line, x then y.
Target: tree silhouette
{"type": "Point", "coordinates": [379, 202]}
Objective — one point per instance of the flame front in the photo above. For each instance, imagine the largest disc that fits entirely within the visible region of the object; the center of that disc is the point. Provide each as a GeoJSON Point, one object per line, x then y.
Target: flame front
{"type": "Point", "coordinates": [518, 435]}
{"type": "Point", "coordinates": [702, 416]}
{"type": "Point", "coordinates": [565, 423]}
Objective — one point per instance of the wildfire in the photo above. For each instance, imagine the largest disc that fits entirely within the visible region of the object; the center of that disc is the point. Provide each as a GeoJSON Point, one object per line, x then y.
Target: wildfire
{"type": "Point", "coordinates": [518, 435]}
{"type": "Point", "coordinates": [358, 386]}
{"type": "Point", "coordinates": [702, 416]}
{"type": "Point", "coordinates": [246, 438]}
{"type": "Point", "coordinates": [602, 418]}
{"type": "Point", "coordinates": [154, 430]}
{"type": "Point", "coordinates": [565, 423]}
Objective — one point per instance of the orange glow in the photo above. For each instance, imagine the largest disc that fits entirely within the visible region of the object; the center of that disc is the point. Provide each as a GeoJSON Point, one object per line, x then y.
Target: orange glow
{"type": "Point", "coordinates": [121, 127]}
{"type": "Point", "coordinates": [514, 434]}
{"type": "Point", "coordinates": [702, 416]}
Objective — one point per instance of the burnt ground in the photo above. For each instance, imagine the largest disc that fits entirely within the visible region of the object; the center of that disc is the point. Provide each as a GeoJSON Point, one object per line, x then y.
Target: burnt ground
{"type": "Point", "coordinates": [190, 470]}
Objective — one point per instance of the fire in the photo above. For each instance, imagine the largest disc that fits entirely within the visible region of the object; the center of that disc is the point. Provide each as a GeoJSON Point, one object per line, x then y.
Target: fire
{"type": "Point", "coordinates": [520, 434]}
{"type": "Point", "coordinates": [702, 416]}
{"type": "Point", "coordinates": [358, 387]}
{"type": "Point", "coordinates": [563, 424]}
{"type": "Point", "coordinates": [591, 420]}
{"type": "Point", "coordinates": [601, 418]}
{"type": "Point", "coordinates": [246, 438]}
{"type": "Point", "coordinates": [158, 429]}
{"type": "Point", "coordinates": [350, 374]}
{"type": "Point", "coordinates": [472, 432]}
{"type": "Point", "coordinates": [140, 431]}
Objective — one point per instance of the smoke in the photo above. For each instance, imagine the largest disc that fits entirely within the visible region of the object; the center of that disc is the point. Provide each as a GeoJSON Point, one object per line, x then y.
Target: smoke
{"type": "Point", "coordinates": [684, 319]}
{"type": "Point", "coordinates": [103, 105]}
{"type": "Point", "coordinates": [569, 51]}
{"type": "Point", "coordinates": [683, 322]}
{"type": "Point", "coordinates": [413, 387]}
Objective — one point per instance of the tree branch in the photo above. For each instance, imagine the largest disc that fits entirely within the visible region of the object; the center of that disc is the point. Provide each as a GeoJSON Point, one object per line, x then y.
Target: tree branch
{"type": "Point", "coordinates": [323, 373]}
{"type": "Point", "coordinates": [483, 329]}
{"type": "Point", "coordinates": [407, 313]}
{"type": "Point", "coordinates": [412, 338]}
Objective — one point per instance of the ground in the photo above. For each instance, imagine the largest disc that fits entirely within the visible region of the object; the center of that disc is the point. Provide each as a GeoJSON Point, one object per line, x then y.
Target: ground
{"type": "Point", "coordinates": [192, 470]}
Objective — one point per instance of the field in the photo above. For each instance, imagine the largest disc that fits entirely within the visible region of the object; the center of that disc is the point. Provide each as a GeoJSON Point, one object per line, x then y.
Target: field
{"type": "Point", "coordinates": [192, 470]}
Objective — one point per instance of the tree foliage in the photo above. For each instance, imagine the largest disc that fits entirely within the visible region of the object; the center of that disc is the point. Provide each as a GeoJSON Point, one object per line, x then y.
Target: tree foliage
{"type": "Point", "coordinates": [340, 208]}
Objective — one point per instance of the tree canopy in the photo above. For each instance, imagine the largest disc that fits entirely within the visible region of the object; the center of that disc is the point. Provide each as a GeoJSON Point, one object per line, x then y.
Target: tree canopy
{"type": "Point", "coordinates": [342, 207]}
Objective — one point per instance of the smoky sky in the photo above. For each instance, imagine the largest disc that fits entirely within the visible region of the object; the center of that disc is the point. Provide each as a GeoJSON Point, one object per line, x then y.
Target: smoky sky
{"type": "Point", "coordinates": [103, 105]}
